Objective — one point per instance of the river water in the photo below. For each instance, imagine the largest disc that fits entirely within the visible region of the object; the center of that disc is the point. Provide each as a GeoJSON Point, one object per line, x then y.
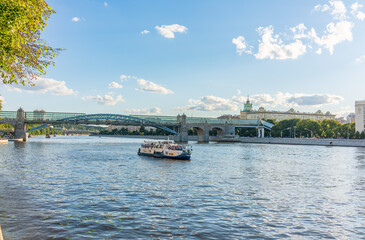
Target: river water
{"type": "Point", "coordinates": [98, 188]}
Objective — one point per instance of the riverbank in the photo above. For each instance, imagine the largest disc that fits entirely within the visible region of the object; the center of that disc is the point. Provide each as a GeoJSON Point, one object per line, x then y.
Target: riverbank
{"type": "Point", "coordinates": [297, 141]}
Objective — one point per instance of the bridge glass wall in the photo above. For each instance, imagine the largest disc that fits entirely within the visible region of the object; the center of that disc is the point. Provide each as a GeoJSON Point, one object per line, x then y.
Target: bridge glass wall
{"type": "Point", "coordinates": [39, 115]}
{"type": "Point", "coordinates": [30, 116]}
{"type": "Point", "coordinates": [8, 114]}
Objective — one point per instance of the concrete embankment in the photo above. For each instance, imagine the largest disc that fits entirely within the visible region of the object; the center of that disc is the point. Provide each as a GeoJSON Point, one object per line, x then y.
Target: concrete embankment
{"type": "Point", "coordinates": [300, 141]}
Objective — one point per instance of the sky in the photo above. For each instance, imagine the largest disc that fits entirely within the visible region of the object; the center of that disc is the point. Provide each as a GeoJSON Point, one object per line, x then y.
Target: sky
{"type": "Point", "coordinates": [201, 58]}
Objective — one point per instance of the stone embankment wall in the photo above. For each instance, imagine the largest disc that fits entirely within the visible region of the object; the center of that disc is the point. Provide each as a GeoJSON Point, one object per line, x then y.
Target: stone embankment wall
{"type": "Point", "coordinates": [306, 141]}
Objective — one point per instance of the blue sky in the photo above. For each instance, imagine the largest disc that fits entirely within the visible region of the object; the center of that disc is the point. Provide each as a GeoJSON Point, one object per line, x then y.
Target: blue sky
{"type": "Point", "coordinates": [200, 57]}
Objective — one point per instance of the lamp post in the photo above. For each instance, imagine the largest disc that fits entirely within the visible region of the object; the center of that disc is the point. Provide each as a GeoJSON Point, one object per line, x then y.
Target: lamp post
{"type": "Point", "coordinates": [281, 132]}
{"type": "Point", "coordinates": [310, 131]}
{"type": "Point", "coordinates": [294, 130]}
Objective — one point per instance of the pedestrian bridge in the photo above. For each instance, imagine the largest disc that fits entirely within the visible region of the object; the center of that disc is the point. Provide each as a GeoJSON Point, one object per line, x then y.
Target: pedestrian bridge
{"type": "Point", "coordinates": [178, 126]}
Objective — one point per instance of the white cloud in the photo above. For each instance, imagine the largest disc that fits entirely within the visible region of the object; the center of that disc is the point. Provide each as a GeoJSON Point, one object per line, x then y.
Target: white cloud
{"type": "Point", "coordinates": [44, 85]}
{"type": "Point", "coordinates": [355, 11]}
{"type": "Point", "coordinates": [145, 31]}
{"type": "Point", "coordinates": [290, 100]}
{"type": "Point", "coordinates": [75, 19]}
{"type": "Point", "coordinates": [168, 30]}
{"type": "Point", "coordinates": [337, 9]}
{"type": "Point", "coordinates": [241, 45]}
{"type": "Point", "coordinates": [213, 103]}
{"type": "Point", "coordinates": [335, 33]}
{"type": "Point", "coordinates": [105, 4]}
{"type": "Point", "coordinates": [360, 15]}
{"type": "Point", "coordinates": [355, 7]}
{"type": "Point", "coordinates": [105, 100]}
{"type": "Point", "coordinates": [143, 111]}
{"type": "Point", "coordinates": [313, 100]}
{"type": "Point", "coordinates": [148, 86]}
{"type": "Point", "coordinates": [360, 59]}
{"type": "Point", "coordinates": [114, 85]}
{"type": "Point", "coordinates": [322, 8]}
{"type": "Point", "coordinates": [272, 47]}
{"type": "Point", "coordinates": [209, 103]}
{"type": "Point", "coordinates": [126, 77]}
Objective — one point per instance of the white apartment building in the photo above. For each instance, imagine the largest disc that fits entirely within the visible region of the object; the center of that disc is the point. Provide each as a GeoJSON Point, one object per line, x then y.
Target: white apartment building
{"type": "Point", "coordinates": [359, 115]}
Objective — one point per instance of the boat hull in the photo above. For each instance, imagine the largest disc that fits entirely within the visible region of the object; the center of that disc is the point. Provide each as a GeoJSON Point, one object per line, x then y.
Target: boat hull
{"type": "Point", "coordinates": [157, 155]}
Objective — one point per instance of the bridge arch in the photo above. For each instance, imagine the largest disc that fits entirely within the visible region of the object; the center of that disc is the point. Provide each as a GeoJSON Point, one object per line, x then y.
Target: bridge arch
{"type": "Point", "coordinates": [105, 119]}
{"type": "Point", "coordinates": [220, 130]}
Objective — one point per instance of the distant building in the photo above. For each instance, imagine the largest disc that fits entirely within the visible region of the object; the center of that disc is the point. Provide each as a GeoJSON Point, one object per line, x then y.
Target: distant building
{"type": "Point", "coordinates": [261, 113]}
{"type": "Point", "coordinates": [229, 116]}
{"type": "Point", "coordinates": [39, 115]}
{"type": "Point", "coordinates": [341, 120]}
{"type": "Point", "coordinates": [359, 115]}
{"type": "Point", "coordinates": [350, 118]}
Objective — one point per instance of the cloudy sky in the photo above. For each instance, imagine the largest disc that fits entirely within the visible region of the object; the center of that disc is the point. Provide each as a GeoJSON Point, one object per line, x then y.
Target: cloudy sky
{"type": "Point", "coordinates": [200, 57]}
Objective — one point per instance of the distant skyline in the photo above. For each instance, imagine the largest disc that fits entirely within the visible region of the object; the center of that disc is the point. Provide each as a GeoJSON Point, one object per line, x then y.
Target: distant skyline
{"type": "Point", "coordinates": [201, 58]}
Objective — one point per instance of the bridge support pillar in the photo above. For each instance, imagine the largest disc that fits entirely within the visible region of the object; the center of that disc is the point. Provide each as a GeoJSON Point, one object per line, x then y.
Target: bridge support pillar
{"type": "Point", "coordinates": [182, 137]}
{"type": "Point", "coordinates": [203, 135]}
{"type": "Point", "coordinates": [20, 130]}
{"type": "Point", "coordinates": [229, 130]}
{"type": "Point", "coordinates": [261, 132]}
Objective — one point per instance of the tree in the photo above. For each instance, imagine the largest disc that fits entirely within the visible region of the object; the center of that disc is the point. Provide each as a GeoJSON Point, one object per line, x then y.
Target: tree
{"type": "Point", "coordinates": [23, 54]}
{"type": "Point", "coordinates": [362, 135]}
{"type": "Point", "coordinates": [357, 135]}
{"type": "Point", "coordinates": [329, 133]}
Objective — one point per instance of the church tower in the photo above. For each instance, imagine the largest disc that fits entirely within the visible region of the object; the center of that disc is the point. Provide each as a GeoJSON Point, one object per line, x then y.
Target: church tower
{"type": "Point", "coordinates": [247, 106]}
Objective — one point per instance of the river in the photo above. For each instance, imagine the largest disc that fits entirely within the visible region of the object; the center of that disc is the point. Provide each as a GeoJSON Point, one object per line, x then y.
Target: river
{"type": "Point", "coordinates": [99, 188]}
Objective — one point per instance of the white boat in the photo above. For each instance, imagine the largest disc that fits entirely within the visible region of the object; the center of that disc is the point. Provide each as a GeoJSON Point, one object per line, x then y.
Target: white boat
{"type": "Point", "coordinates": [3, 140]}
{"type": "Point", "coordinates": [165, 149]}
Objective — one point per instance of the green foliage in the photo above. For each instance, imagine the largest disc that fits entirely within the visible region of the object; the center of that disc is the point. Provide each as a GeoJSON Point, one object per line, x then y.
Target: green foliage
{"type": "Point", "coordinates": [141, 131]}
{"type": "Point", "coordinates": [272, 121]}
{"type": "Point", "coordinates": [357, 135]}
{"type": "Point", "coordinates": [362, 135]}
{"type": "Point", "coordinates": [329, 133]}
{"type": "Point", "coordinates": [311, 128]}
{"type": "Point", "coordinates": [23, 54]}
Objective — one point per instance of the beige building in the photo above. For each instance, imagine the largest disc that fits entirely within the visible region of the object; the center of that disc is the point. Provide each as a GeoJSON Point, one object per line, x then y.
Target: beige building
{"type": "Point", "coordinates": [359, 115]}
{"type": "Point", "coordinates": [261, 113]}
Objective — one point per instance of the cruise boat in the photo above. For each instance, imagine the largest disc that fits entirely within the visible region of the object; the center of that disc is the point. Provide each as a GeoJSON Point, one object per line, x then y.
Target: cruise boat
{"type": "Point", "coordinates": [3, 140]}
{"type": "Point", "coordinates": [165, 149]}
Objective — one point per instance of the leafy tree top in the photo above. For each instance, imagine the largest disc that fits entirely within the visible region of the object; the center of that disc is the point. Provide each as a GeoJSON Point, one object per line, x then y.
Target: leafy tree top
{"type": "Point", "coordinates": [23, 54]}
